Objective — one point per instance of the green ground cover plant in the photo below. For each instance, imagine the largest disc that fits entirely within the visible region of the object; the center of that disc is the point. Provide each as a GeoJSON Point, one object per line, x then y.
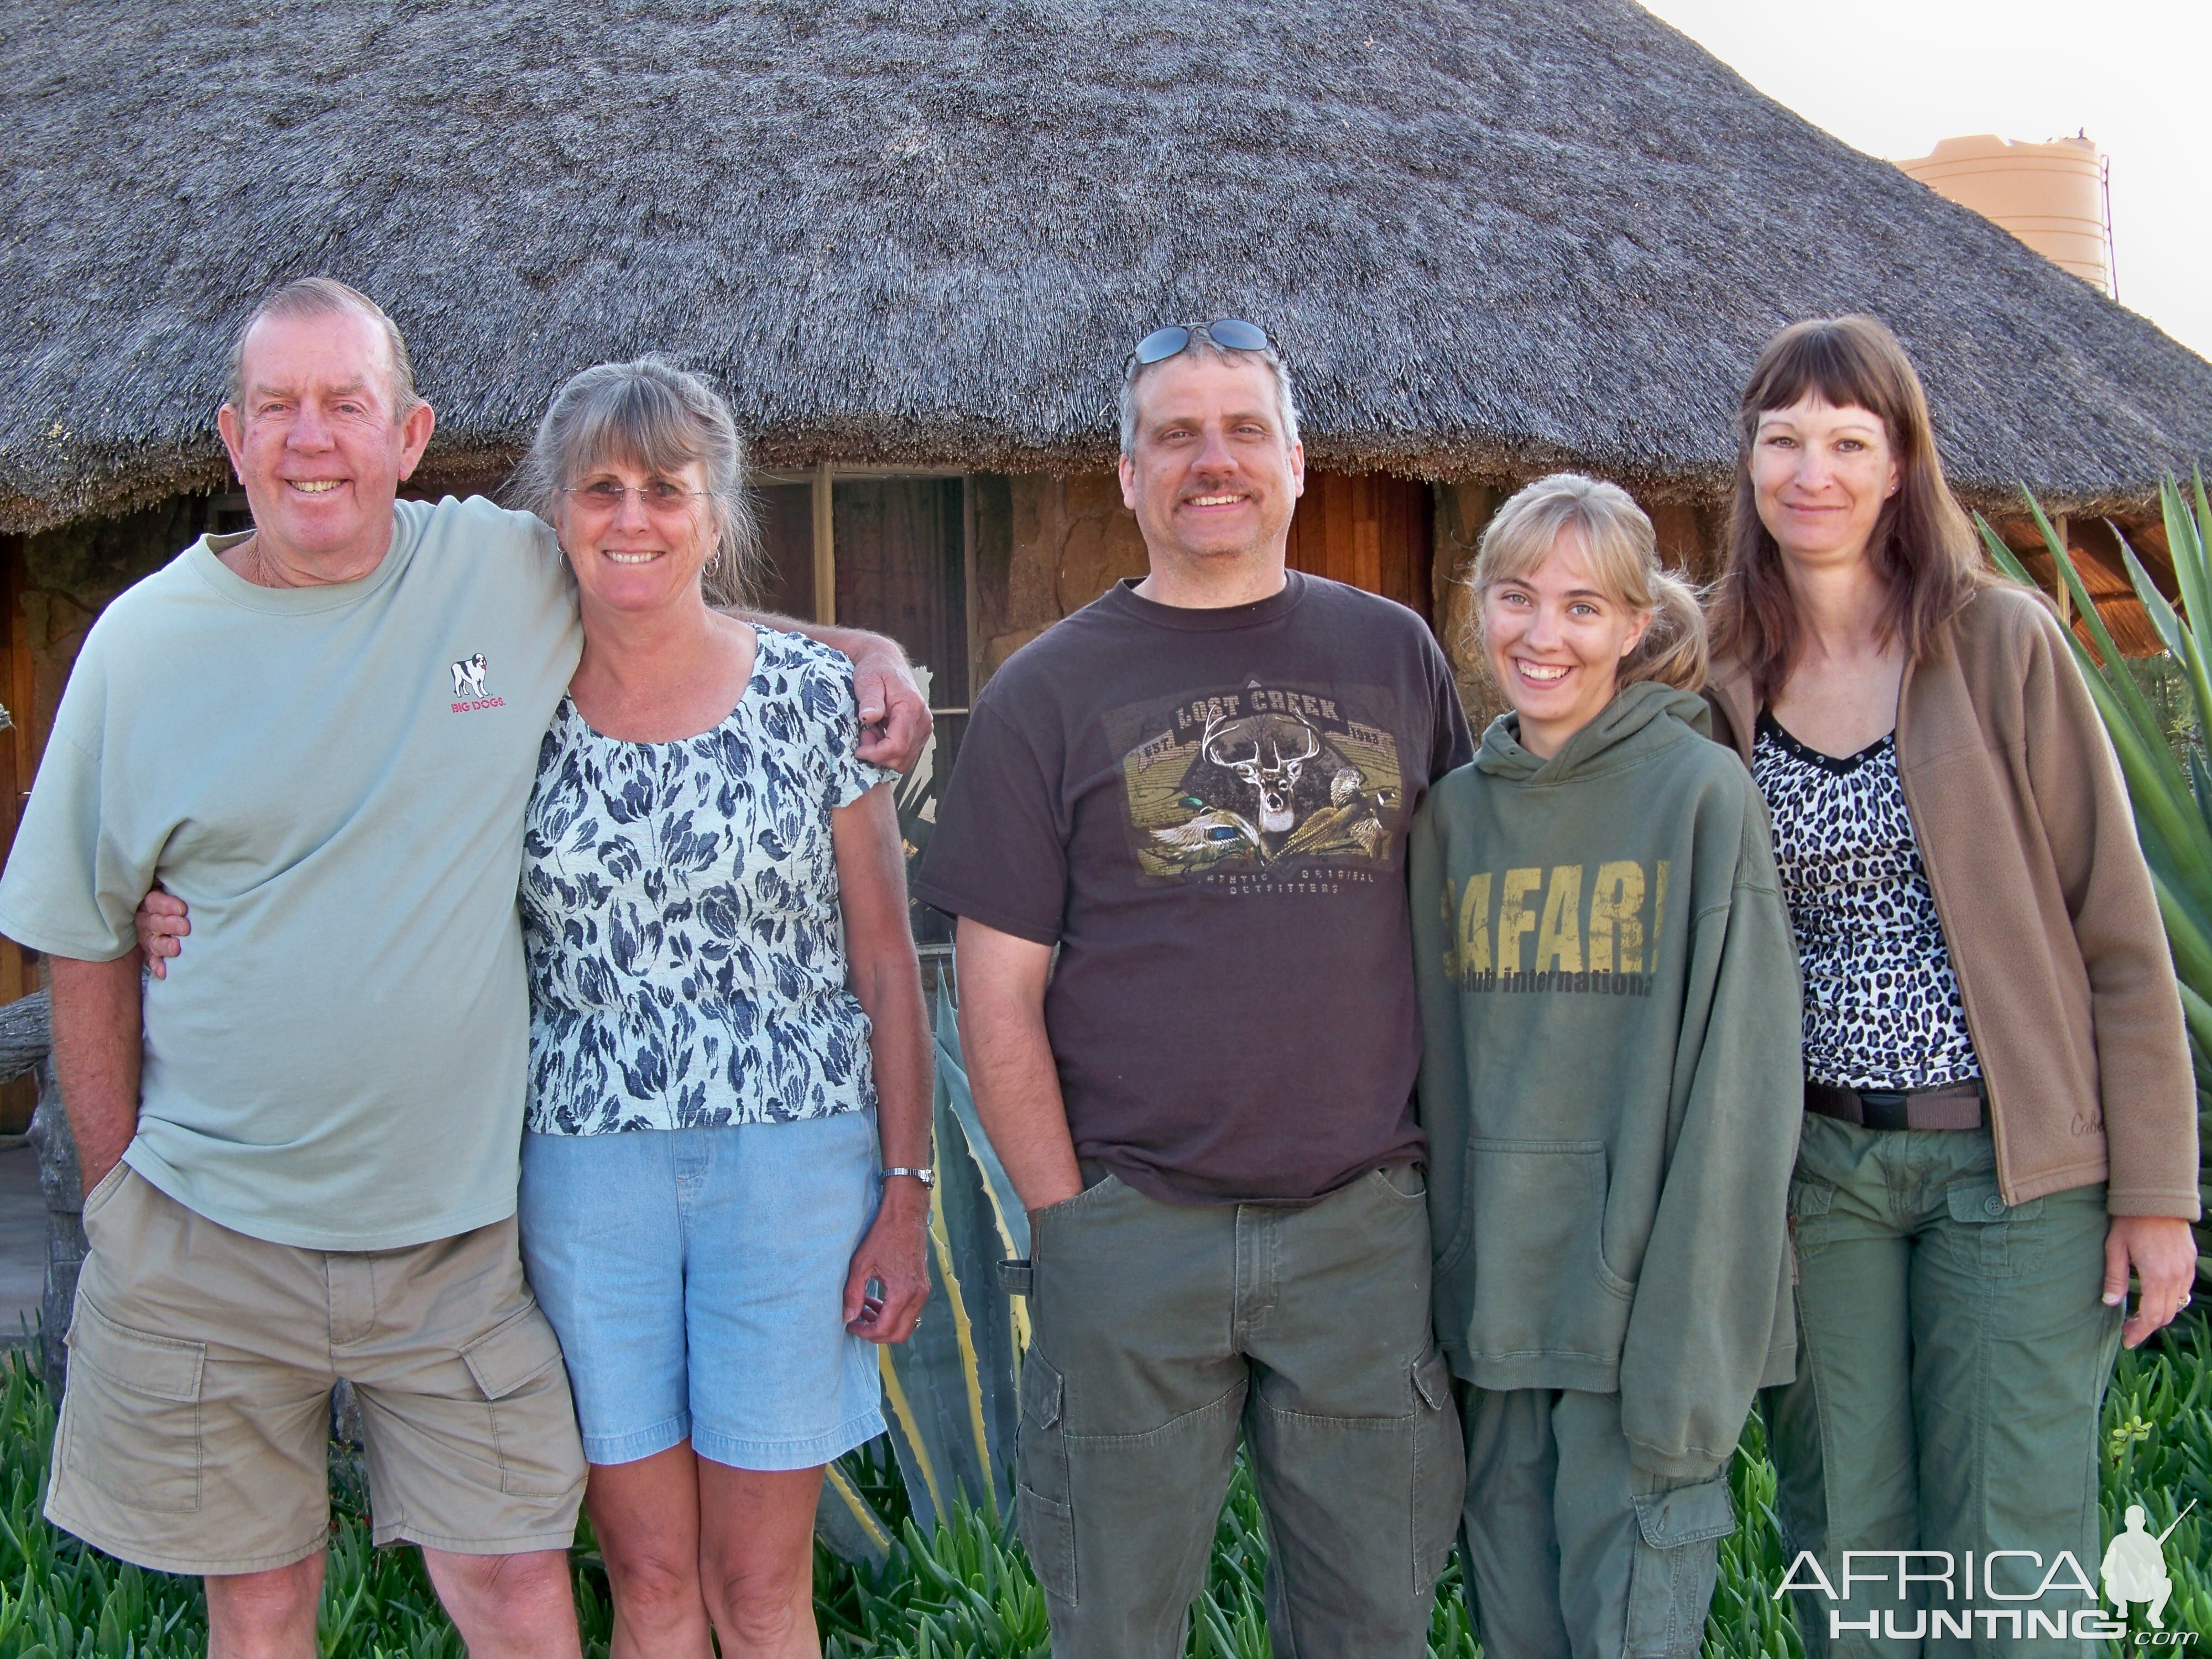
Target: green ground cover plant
{"type": "Point", "coordinates": [963, 1592]}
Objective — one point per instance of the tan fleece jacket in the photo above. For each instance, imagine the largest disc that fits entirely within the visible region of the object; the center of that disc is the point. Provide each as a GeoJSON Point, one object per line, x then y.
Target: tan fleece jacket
{"type": "Point", "coordinates": [2030, 848]}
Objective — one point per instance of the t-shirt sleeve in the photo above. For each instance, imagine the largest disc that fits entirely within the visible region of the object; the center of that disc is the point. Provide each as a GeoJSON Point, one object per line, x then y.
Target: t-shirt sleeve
{"type": "Point", "coordinates": [1453, 744]}
{"type": "Point", "coordinates": [838, 720]}
{"type": "Point", "coordinates": [72, 885]}
{"type": "Point", "coordinates": [997, 853]}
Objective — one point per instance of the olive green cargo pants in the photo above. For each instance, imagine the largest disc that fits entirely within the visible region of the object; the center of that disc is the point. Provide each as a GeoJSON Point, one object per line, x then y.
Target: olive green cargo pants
{"type": "Point", "coordinates": [1573, 1552]}
{"type": "Point", "coordinates": [1161, 1334]}
{"type": "Point", "coordinates": [1951, 1357]}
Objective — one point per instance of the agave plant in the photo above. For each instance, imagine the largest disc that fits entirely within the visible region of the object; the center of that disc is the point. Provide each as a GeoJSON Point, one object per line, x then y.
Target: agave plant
{"type": "Point", "coordinates": [2172, 800]}
{"type": "Point", "coordinates": [951, 1391]}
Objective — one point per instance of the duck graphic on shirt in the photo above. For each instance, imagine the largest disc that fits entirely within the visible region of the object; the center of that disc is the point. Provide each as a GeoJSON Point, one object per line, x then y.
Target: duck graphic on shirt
{"type": "Point", "coordinates": [1260, 779]}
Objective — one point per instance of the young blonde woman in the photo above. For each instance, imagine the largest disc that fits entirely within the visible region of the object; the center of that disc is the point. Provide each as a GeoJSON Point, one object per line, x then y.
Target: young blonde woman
{"type": "Point", "coordinates": [1610, 1015]}
{"type": "Point", "coordinates": [1999, 1114]}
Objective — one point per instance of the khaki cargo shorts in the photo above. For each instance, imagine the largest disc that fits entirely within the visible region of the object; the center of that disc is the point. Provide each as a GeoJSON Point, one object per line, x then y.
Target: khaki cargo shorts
{"type": "Point", "coordinates": [194, 1435]}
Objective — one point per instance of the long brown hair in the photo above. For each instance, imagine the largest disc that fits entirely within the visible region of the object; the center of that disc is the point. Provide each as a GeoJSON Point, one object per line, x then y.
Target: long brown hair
{"type": "Point", "coordinates": [1922, 546]}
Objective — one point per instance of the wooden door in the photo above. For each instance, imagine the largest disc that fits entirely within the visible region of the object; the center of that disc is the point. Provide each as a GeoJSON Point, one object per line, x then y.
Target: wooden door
{"type": "Point", "coordinates": [1367, 529]}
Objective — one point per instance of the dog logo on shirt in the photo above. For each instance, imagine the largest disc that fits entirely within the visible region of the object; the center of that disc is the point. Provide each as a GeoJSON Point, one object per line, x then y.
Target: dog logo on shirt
{"type": "Point", "coordinates": [469, 686]}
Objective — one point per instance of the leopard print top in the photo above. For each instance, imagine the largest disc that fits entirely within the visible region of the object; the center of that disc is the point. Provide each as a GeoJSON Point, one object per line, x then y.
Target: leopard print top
{"type": "Point", "coordinates": [1883, 1009]}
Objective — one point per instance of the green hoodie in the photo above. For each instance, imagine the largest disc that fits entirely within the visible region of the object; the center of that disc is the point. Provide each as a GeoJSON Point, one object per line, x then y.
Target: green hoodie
{"type": "Point", "coordinates": [1611, 1080]}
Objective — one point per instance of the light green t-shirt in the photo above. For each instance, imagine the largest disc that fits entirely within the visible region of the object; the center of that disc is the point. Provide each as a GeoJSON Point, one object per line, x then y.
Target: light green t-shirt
{"type": "Point", "coordinates": [333, 778]}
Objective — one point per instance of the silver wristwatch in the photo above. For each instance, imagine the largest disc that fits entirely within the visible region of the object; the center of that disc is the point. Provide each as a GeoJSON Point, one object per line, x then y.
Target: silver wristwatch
{"type": "Point", "coordinates": [926, 1177]}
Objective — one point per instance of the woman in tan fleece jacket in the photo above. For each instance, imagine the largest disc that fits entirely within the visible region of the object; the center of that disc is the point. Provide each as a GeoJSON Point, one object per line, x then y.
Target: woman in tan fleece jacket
{"type": "Point", "coordinates": [2000, 1118]}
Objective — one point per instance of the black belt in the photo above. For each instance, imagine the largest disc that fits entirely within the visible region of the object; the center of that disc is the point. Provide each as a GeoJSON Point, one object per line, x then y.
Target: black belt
{"type": "Point", "coordinates": [1954, 1106]}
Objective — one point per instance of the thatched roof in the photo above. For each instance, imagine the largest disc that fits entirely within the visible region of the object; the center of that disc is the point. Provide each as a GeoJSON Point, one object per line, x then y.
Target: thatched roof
{"type": "Point", "coordinates": [1491, 234]}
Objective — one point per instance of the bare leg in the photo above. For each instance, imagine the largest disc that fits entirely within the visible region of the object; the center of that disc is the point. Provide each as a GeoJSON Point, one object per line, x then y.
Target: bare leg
{"type": "Point", "coordinates": [509, 1607]}
{"type": "Point", "coordinates": [266, 1615]}
{"type": "Point", "coordinates": [757, 1560]}
{"type": "Point", "coordinates": [646, 1514]}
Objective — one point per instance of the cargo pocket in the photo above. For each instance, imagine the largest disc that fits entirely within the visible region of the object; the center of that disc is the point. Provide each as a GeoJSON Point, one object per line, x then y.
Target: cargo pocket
{"type": "Point", "coordinates": [1043, 1506]}
{"type": "Point", "coordinates": [1993, 1238]}
{"type": "Point", "coordinates": [1541, 1283]}
{"type": "Point", "coordinates": [132, 1419]}
{"type": "Point", "coordinates": [1670, 1585]}
{"type": "Point", "coordinates": [1439, 1471]}
{"type": "Point", "coordinates": [505, 1362]}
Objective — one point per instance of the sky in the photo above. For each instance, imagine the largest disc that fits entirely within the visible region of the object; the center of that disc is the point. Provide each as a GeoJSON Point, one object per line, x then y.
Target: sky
{"type": "Point", "coordinates": [1893, 76]}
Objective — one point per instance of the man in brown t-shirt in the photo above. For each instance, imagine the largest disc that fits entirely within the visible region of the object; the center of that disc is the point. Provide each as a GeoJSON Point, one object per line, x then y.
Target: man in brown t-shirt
{"type": "Point", "coordinates": [1197, 789]}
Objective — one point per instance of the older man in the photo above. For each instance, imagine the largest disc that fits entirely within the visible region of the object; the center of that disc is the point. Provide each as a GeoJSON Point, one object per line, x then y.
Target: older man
{"type": "Point", "coordinates": [320, 735]}
{"type": "Point", "coordinates": [1197, 789]}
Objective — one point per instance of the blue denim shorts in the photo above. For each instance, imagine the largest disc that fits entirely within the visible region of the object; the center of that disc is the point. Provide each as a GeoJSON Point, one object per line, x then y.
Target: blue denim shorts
{"type": "Point", "coordinates": [696, 1278]}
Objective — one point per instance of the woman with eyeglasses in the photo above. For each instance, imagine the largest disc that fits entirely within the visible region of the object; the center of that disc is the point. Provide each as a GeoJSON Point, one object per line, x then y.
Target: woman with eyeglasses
{"type": "Point", "coordinates": [1999, 1114]}
{"type": "Point", "coordinates": [727, 1039]}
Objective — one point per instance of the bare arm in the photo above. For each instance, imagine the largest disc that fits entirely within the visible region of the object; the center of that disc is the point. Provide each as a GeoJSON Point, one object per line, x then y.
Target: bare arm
{"type": "Point", "coordinates": [99, 1043]}
{"type": "Point", "coordinates": [895, 720]}
{"type": "Point", "coordinates": [887, 979]}
{"type": "Point", "coordinates": [1010, 1064]}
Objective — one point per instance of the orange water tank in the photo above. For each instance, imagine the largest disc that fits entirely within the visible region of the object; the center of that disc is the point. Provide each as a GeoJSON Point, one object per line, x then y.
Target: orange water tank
{"type": "Point", "coordinates": [2051, 196]}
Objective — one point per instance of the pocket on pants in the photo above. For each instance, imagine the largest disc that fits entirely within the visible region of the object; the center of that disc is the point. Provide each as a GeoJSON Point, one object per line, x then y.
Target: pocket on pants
{"type": "Point", "coordinates": [504, 1363]}
{"type": "Point", "coordinates": [1990, 1237]}
{"type": "Point", "coordinates": [1670, 1584]}
{"type": "Point", "coordinates": [1042, 1505]}
{"type": "Point", "coordinates": [104, 1189]}
{"type": "Point", "coordinates": [1439, 1470]}
{"type": "Point", "coordinates": [132, 1418]}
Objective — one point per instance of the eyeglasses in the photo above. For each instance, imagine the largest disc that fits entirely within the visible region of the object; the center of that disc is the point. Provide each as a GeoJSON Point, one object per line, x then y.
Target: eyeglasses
{"type": "Point", "coordinates": [604, 497]}
{"type": "Point", "coordinates": [1163, 343]}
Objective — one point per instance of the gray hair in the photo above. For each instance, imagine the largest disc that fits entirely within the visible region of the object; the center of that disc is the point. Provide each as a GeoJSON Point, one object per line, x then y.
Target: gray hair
{"type": "Point", "coordinates": [1203, 344]}
{"type": "Point", "coordinates": [326, 296]}
{"type": "Point", "coordinates": [658, 418]}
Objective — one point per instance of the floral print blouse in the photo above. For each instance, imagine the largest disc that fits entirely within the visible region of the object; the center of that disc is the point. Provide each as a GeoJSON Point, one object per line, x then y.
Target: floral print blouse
{"type": "Point", "coordinates": [680, 916]}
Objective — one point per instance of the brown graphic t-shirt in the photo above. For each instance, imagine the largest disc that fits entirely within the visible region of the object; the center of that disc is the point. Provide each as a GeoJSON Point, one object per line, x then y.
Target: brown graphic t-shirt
{"type": "Point", "coordinates": [1207, 811]}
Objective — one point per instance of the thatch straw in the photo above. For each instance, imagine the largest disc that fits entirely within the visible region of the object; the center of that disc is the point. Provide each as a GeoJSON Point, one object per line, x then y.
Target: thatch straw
{"type": "Point", "coordinates": [1492, 237]}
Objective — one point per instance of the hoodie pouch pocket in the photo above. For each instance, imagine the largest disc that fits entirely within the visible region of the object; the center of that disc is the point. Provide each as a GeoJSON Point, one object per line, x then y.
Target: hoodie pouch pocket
{"type": "Point", "coordinates": [1542, 1283]}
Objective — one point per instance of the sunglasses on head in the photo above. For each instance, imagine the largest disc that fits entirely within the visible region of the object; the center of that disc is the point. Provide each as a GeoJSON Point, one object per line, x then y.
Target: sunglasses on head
{"type": "Point", "coordinates": [1163, 343]}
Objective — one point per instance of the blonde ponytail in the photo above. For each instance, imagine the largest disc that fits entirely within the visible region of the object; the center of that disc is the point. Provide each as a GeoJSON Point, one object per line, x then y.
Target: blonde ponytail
{"type": "Point", "coordinates": [1674, 650]}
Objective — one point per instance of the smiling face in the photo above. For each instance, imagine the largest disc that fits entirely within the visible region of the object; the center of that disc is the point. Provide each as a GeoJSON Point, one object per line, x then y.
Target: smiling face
{"type": "Point", "coordinates": [1210, 476]}
{"type": "Point", "coordinates": [637, 540]}
{"type": "Point", "coordinates": [319, 443]}
{"type": "Point", "coordinates": [1555, 639]}
{"type": "Point", "coordinates": [1820, 475]}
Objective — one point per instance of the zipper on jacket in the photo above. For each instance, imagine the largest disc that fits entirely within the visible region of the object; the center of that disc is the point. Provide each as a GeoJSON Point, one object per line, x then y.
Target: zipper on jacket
{"type": "Point", "coordinates": [1905, 775]}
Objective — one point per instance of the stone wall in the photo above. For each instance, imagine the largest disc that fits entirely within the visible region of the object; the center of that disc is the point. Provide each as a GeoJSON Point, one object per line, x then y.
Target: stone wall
{"type": "Point", "coordinates": [1046, 545]}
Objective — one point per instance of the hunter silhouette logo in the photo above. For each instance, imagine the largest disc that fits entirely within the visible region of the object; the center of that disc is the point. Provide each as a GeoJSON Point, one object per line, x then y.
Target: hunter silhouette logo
{"type": "Point", "coordinates": [469, 686]}
{"type": "Point", "coordinates": [2135, 1566]}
